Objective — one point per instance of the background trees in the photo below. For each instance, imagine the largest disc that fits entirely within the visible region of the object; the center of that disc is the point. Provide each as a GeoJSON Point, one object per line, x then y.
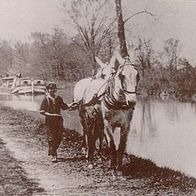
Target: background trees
{"type": "Point", "coordinates": [6, 57]}
{"type": "Point", "coordinates": [97, 28]}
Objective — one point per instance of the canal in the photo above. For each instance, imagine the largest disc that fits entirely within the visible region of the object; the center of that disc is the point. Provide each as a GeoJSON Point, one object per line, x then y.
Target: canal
{"type": "Point", "coordinates": [162, 131]}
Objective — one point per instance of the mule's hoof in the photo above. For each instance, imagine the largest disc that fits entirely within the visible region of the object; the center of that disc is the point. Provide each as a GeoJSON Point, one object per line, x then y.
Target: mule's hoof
{"type": "Point", "coordinates": [54, 159]}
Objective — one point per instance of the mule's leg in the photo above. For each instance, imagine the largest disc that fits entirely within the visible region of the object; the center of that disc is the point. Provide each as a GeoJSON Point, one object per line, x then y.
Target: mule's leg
{"type": "Point", "coordinates": [84, 134]}
{"type": "Point", "coordinates": [113, 154]}
{"type": "Point", "coordinates": [107, 132]}
{"type": "Point", "coordinates": [99, 134]}
{"type": "Point", "coordinates": [122, 146]}
{"type": "Point", "coordinates": [84, 119]}
{"type": "Point", "coordinates": [90, 140]}
{"type": "Point", "coordinates": [111, 145]}
{"type": "Point", "coordinates": [84, 126]}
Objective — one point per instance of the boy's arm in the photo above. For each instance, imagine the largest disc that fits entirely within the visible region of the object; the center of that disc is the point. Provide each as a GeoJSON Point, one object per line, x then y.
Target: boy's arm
{"type": "Point", "coordinates": [48, 114]}
{"type": "Point", "coordinates": [73, 106]}
{"type": "Point", "coordinates": [61, 103]}
{"type": "Point", "coordinates": [43, 107]}
{"type": "Point", "coordinates": [64, 106]}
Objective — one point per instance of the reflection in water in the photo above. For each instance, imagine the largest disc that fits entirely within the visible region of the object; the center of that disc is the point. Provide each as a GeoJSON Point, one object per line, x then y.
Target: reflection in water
{"type": "Point", "coordinates": [32, 103]}
{"type": "Point", "coordinates": [165, 132]}
{"type": "Point", "coordinates": [23, 102]}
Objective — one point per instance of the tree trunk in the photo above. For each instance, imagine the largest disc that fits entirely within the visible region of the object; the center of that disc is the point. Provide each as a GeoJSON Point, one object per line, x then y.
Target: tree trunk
{"type": "Point", "coordinates": [121, 29]}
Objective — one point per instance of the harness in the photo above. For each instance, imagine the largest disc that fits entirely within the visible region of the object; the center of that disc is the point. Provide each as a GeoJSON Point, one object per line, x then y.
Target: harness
{"type": "Point", "coordinates": [110, 101]}
{"type": "Point", "coordinates": [96, 98]}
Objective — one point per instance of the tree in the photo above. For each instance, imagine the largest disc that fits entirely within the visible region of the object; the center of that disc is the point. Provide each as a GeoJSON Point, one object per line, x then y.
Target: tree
{"type": "Point", "coordinates": [144, 53]}
{"type": "Point", "coordinates": [171, 52]}
{"type": "Point", "coordinates": [121, 29]}
{"type": "Point", "coordinates": [185, 78]}
{"type": "Point", "coordinates": [121, 25]}
{"type": "Point", "coordinates": [41, 55]}
{"type": "Point", "coordinates": [21, 58]}
{"type": "Point", "coordinates": [52, 52]}
{"type": "Point", "coordinates": [55, 56]}
{"type": "Point", "coordinates": [6, 57]}
{"type": "Point", "coordinates": [93, 25]}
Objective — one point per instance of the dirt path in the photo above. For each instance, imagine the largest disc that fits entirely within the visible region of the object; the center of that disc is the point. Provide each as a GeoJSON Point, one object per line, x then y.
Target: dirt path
{"type": "Point", "coordinates": [23, 136]}
{"type": "Point", "coordinates": [13, 177]}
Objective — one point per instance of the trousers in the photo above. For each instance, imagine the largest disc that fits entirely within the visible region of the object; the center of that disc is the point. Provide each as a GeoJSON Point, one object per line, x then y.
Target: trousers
{"type": "Point", "coordinates": [54, 135]}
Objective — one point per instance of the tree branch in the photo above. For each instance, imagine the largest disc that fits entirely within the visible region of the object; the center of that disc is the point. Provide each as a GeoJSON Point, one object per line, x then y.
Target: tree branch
{"type": "Point", "coordinates": [141, 12]}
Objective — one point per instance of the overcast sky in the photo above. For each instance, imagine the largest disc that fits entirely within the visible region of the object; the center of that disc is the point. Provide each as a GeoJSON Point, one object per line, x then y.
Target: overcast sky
{"type": "Point", "coordinates": [18, 18]}
{"type": "Point", "coordinates": [175, 18]}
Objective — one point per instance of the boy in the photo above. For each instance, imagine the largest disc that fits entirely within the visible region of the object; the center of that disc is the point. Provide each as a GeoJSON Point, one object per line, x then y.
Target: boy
{"type": "Point", "coordinates": [51, 108]}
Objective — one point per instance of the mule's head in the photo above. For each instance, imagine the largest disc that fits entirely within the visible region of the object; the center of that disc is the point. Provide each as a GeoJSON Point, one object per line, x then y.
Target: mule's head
{"type": "Point", "coordinates": [106, 69]}
{"type": "Point", "coordinates": [128, 78]}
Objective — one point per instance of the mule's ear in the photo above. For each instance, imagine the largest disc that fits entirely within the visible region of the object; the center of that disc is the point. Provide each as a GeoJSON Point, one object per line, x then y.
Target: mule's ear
{"type": "Point", "coordinates": [119, 57]}
{"type": "Point", "coordinates": [112, 61]}
{"type": "Point", "coordinates": [99, 62]}
{"type": "Point", "coordinates": [132, 55]}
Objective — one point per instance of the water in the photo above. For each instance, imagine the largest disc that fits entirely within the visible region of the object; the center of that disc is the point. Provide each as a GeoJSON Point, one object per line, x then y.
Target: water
{"type": "Point", "coordinates": [162, 131]}
{"type": "Point", "coordinates": [165, 132]}
{"type": "Point", "coordinates": [23, 102]}
{"type": "Point", "coordinates": [32, 103]}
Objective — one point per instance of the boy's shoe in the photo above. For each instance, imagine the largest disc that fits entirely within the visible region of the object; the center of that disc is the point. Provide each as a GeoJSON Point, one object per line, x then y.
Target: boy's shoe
{"type": "Point", "coordinates": [54, 159]}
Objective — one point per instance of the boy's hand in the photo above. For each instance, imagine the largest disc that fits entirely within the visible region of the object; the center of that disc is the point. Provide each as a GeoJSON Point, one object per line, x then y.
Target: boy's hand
{"type": "Point", "coordinates": [56, 115]}
{"type": "Point", "coordinates": [50, 114]}
{"type": "Point", "coordinates": [73, 106]}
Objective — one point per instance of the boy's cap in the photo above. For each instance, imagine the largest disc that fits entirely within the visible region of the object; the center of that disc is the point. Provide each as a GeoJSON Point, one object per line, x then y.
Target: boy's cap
{"type": "Point", "coordinates": [51, 85]}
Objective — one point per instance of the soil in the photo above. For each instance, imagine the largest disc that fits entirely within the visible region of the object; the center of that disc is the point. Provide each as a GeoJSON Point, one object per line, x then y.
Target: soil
{"type": "Point", "coordinates": [25, 168]}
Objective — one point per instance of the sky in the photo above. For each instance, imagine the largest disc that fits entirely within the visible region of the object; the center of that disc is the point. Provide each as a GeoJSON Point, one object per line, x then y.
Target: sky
{"type": "Point", "coordinates": [18, 18]}
{"type": "Point", "coordinates": [174, 19]}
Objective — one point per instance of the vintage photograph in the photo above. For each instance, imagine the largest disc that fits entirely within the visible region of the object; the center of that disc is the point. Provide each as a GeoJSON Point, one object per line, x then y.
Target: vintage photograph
{"type": "Point", "coordinates": [97, 98]}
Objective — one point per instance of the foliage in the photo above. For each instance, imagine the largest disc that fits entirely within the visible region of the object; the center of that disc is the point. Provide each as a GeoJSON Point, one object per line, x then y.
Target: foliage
{"type": "Point", "coordinates": [6, 57]}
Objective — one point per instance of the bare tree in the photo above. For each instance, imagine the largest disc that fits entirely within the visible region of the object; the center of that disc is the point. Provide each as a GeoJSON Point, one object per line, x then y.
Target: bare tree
{"type": "Point", "coordinates": [6, 57]}
{"type": "Point", "coordinates": [121, 25]}
{"type": "Point", "coordinates": [93, 25]}
{"type": "Point", "coordinates": [171, 52]}
{"type": "Point", "coordinates": [21, 58]}
{"type": "Point", "coordinates": [121, 29]}
{"type": "Point", "coordinates": [144, 53]}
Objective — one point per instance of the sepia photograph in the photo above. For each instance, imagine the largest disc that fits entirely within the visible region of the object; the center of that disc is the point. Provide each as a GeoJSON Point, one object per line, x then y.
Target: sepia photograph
{"type": "Point", "coordinates": [97, 98]}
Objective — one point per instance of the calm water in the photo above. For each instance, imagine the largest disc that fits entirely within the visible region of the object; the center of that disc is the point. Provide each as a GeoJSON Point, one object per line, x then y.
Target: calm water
{"type": "Point", "coordinates": [165, 132]}
{"type": "Point", "coordinates": [22, 102]}
{"type": "Point", "coordinates": [162, 131]}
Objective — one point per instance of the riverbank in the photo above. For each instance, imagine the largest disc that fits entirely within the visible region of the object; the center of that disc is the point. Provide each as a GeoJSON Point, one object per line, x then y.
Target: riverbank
{"type": "Point", "coordinates": [24, 139]}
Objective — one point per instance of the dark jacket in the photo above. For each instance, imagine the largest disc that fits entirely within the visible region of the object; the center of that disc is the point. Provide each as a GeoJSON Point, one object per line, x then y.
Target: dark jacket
{"type": "Point", "coordinates": [55, 107]}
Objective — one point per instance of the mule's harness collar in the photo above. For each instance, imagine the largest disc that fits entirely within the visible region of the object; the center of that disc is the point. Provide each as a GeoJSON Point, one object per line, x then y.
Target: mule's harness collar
{"type": "Point", "coordinates": [111, 102]}
{"type": "Point", "coordinates": [118, 105]}
{"type": "Point", "coordinates": [129, 92]}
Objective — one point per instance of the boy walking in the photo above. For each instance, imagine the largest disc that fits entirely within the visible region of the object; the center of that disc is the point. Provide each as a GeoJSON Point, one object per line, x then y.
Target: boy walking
{"type": "Point", "coordinates": [51, 108]}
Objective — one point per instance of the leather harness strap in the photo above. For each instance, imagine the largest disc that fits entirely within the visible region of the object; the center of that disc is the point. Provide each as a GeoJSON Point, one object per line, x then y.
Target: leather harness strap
{"type": "Point", "coordinates": [111, 102]}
